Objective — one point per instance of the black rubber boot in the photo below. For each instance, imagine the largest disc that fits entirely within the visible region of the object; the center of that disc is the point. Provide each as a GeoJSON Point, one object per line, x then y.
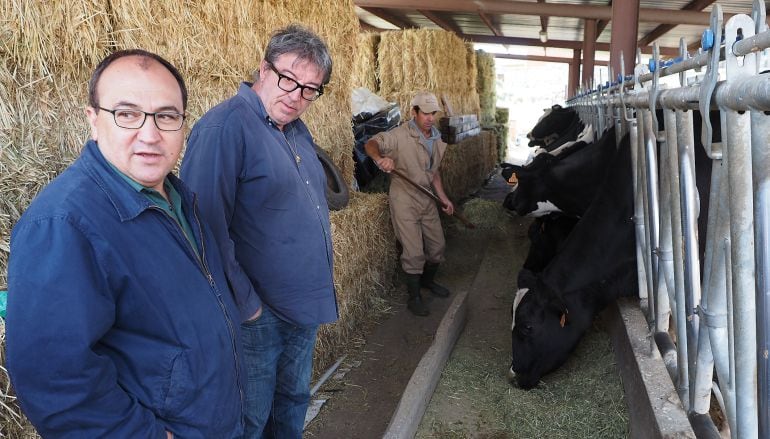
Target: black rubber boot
{"type": "Point", "coordinates": [426, 280]}
{"type": "Point", "coordinates": [415, 303]}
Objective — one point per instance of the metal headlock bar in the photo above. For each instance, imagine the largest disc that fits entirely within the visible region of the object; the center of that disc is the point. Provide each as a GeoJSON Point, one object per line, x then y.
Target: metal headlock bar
{"type": "Point", "coordinates": [718, 299]}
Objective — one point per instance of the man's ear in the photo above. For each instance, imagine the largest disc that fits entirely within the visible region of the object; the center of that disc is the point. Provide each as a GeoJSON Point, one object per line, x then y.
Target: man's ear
{"type": "Point", "coordinates": [91, 114]}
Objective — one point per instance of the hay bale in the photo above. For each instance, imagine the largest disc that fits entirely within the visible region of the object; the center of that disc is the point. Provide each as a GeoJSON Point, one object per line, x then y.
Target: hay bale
{"type": "Point", "coordinates": [365, 261]}
{"type": "Point", "coordinates": [42, 37]}
{"type": "Point", "coordinates": [365, 62]}
{"type": "Point", "coordinates": [426, 59]}
{"type": "Point", "coordinates": [485, 85]}
{"type": "Point", "coordinates": [467, 164]}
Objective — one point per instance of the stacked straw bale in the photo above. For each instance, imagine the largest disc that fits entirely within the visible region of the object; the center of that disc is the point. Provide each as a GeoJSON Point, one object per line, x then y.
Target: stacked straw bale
{"type": "Point", "coordinates": [485, 83]}
{"type": "Point", "coordinates": [365, 260]}
{"type": "Point", "coordinates": [467, 164]}
{"type": "Point", "coordinates": [426, 59]}
{"type": "Point", "coordinates": [365, 63]}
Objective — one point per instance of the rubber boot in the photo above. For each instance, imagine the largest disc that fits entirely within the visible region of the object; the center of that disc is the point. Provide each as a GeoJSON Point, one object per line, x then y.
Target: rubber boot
{"type": "Point", "coordinates": [426, 280]}
{"type": "Point", "coordinates": [415, 303]}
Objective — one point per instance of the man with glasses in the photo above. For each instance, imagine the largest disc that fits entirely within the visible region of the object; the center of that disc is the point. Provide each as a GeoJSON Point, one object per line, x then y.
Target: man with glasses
{"type": "Point", "coordinates": [120, 319]}
{"type": "Point", "coordinates": [415, 149]}
{"type": "Point", "coordinates": [261, 187]}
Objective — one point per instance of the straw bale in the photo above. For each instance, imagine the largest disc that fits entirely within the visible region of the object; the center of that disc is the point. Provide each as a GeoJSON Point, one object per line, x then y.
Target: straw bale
{"type": "Point", "coordinates": [467, 164]}
{"type": "Point", "coordinates": [43, 129]}
{"type": "Point", "coordinates": [365, 62]}
{"type": "Point", "coordinates": [420, 59]}
{"type": "Point", "coordinates": [486, 86]}
{"type": "Point", "coordinates": [473, 68]}
{"type": "Point", "coordinates": [43, 37]}
{"type": "Point", "coordinates": [365, 260]}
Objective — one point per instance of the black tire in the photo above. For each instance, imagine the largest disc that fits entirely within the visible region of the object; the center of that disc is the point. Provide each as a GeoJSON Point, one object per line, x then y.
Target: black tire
{"type": "Point", "coordinates": [337, 192]}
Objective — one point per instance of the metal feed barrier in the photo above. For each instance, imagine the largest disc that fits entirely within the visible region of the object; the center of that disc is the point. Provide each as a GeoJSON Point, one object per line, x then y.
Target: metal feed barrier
{"type": "Point", "coordinates": [719, 316]}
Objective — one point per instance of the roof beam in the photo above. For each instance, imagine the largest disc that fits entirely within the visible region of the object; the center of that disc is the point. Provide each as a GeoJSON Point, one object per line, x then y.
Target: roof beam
{"type": "Point", "coordinates": [647, 15]}
{"type": "Point", "coordinates": [544, 58]}
{"type": "Point", "coordinates": [389, 17]}
{"type": "Point", "coordinates": [694, 5]}
{"type": "Point", "coordinates": [495, 30]}
{"type": "Point", "coordinates": [562, 44]}
{"type": "Point", "coordinates": [440, 21]}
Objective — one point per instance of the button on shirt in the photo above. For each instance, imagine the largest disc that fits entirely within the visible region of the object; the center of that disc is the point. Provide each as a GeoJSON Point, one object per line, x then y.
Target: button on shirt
{"type": "Point", "coordinates": [268, 210]}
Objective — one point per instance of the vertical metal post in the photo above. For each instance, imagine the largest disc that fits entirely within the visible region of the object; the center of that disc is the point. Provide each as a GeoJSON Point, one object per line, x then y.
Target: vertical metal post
{"type": "Point", "coordinates": [742, 236]}
{"type": "Point", "coordinates": [760, 154]}
{"type": "Point", "coordinates": [688, 206]}
{"type": "Point", "coordinates": [682, 345]}
{"type": "Point", "coordinates": [653, 215]}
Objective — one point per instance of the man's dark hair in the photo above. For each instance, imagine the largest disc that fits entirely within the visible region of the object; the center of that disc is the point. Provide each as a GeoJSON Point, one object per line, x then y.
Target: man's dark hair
{"type": "Point", "coordinates": [302, 42]}
{"type": "Point", "coordinates": [93, 98]}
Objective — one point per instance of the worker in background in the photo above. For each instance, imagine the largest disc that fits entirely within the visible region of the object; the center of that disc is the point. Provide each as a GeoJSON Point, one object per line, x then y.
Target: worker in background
{"type": "Point", "coordinates": [416, 149]}
{"type": "Point", "coordinates": [120, 321]}
{"type": "Point", "coordinates": [252, 162]}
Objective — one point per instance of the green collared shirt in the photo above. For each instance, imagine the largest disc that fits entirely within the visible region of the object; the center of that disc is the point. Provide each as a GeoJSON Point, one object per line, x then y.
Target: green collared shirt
{"type": "Point", "coordinates": [173, 208]}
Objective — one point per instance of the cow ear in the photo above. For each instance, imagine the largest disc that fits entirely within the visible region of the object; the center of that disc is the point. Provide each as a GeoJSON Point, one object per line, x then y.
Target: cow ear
{"type": "Point", "coordinates": [558, 305]}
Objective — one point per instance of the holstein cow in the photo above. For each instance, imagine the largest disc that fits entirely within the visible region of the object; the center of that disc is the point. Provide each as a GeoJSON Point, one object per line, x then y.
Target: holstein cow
{"type": "Point", "coordinates": [596, 264]}
{"type": "Point", "coordinates": [547, 234]}
{"type": "Point", "coordinates": [557, 126]}
{"type": "Point", "coordinates": [560, 184]}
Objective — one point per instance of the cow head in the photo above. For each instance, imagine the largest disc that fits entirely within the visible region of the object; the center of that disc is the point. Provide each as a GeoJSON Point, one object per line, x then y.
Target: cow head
{"type": "Point", "coordinates": [545, 330]}
{"type": "Point", "coordinates": [551, 125]}
{"type": "Point", "coordinates": [530, 198]}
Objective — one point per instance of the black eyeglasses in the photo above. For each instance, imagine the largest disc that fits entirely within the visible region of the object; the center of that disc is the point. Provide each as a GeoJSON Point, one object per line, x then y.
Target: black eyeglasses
{"type": "Point", "coordinates": [289, 85]}
{"type": "Point", "coordinates": [134, 119]}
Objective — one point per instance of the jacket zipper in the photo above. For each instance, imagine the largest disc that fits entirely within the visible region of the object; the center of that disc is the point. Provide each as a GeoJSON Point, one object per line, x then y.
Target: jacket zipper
{"type": "Point", "coordinates": [201, 260]}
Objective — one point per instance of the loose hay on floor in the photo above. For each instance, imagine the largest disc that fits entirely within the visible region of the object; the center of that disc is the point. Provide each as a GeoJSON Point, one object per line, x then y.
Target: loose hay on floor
{"type": "Point", "coordinates": [583, 399]}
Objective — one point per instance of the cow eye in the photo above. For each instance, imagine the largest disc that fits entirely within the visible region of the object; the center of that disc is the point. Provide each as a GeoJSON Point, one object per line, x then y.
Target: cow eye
{"type": "Point", "coordinates": [524, 329]}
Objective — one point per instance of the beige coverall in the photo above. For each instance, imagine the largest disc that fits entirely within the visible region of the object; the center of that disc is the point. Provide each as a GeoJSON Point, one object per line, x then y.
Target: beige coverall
{"type": "Point", "coordinates": [414, 214]}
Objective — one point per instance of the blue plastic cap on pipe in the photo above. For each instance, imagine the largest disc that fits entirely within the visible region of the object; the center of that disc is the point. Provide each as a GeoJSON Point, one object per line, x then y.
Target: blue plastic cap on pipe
{"type": "Point", "coordinates": [707, 39]}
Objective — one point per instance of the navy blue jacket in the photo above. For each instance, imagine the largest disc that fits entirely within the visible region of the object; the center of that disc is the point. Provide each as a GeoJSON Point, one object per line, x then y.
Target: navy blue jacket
{"type": "Point", "coordinates": [267, 211]}
{"type": "Point", "coordinates": [114, 327]}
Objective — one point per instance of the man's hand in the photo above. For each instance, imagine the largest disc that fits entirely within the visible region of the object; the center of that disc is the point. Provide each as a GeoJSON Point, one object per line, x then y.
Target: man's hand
{"type": "Point", "coordinates": [448, 207]}
{"type": "Point", "coordinates": [256, 315]}
{"type": "Point", "coordinates": [169, 435]}
{"type": "Point", "coordinates": [386, 164]}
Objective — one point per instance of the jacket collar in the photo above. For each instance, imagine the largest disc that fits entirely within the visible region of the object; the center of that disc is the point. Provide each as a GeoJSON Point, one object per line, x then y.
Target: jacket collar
{"type": "Point", "coordinates": [128, 203]}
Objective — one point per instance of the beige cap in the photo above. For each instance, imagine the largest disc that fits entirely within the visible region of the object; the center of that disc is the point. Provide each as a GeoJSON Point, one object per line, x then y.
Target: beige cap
{"type": "Point", "coordinates": [426, 101]}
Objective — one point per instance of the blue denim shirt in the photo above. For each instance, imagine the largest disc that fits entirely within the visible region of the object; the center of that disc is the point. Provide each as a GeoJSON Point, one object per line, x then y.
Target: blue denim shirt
{"type": "Point", "coordinates": [268, 211]}
{"type": "Point", "coordinates": [116, 328]}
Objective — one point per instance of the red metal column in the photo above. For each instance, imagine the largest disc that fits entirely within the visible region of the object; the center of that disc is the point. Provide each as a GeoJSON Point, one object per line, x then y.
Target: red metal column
{"type": "Point", "coordinates": [625, 23]}
{"type": "Point", "coordinates": [574, 73]}
{"type": "Point", "coordinates": [589, 46]}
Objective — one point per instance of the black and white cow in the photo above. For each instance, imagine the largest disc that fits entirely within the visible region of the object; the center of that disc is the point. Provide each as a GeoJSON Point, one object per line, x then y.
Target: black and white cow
{"type": "Point", "coordinates": [564, 184]}
{"type": "Point", "coordinates": [547, 234]}
{"type": "Point", "coordinates": [557, 126]}
{"type": "Point", "coordinates": [596, 264]}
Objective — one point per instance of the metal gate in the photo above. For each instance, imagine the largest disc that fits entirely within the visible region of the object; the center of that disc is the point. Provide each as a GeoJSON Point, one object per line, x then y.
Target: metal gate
{"type": "Point", "coordinates": [707, 309]}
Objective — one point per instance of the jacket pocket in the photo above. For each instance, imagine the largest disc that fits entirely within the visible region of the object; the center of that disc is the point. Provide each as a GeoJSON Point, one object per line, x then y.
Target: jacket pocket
{"type": "Point", "coordinates": [179, 390]}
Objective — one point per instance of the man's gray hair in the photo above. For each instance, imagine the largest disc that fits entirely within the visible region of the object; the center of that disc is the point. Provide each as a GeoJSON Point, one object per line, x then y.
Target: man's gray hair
{"type": "Point", "coordinates": [304, 43]}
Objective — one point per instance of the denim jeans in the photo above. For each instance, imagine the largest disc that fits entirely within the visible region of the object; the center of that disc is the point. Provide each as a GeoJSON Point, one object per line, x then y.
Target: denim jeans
{"type": "Point", "coordinates": [279, 361]}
